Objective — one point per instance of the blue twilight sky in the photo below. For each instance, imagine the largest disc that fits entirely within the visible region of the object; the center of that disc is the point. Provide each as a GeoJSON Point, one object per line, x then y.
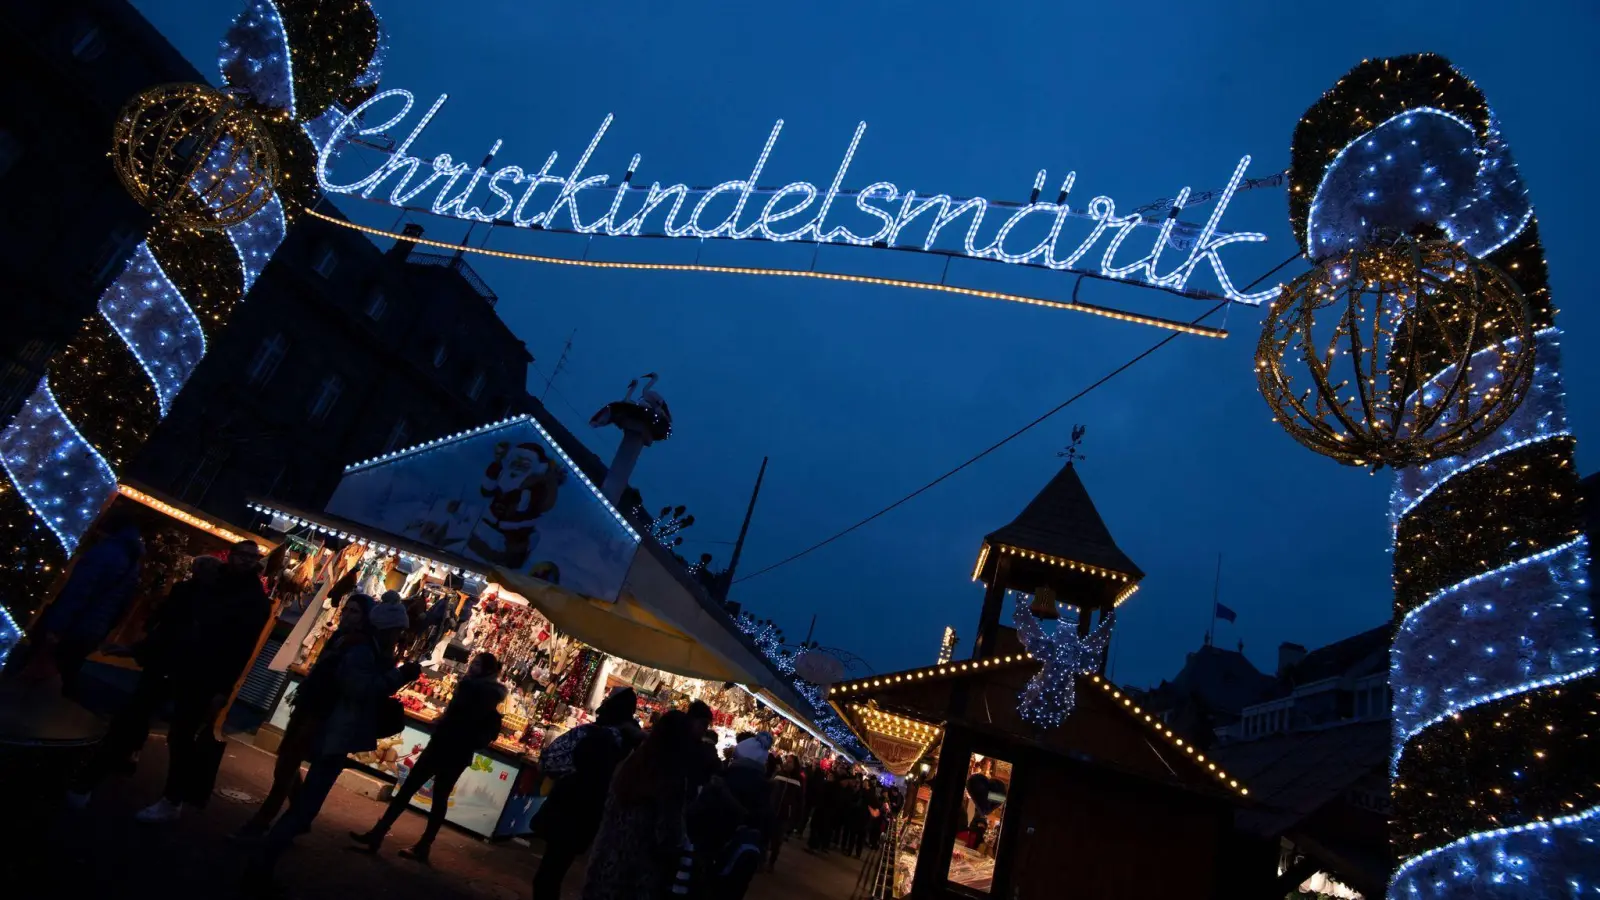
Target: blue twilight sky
{"type": "Point", "coordinates": [861, 394]}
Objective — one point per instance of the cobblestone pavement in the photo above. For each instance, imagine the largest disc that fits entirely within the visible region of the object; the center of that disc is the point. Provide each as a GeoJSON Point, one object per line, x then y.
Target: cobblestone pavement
{"type": "Point", "coordinates": [101, 852]}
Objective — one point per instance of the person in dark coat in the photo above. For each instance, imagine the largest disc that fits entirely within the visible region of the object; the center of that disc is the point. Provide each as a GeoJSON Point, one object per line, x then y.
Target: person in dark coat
{"type": "Point", "coordinates": [570, 816]}
{"type": "Point", "coordinates": [90, 604]}
{"type": "Point", "coordinates": [312, 701]}
{"type": "Point", "coordinates": [852, 815]}
{"type": "Point", "coordinates": [366, 677]}
{"type": "Point", "coordinates": [788, 804]}
{"type": "Point", "coordinates": [130, 726]}
{"type": "Point", "coordinates": [706, 762]}
{"type": "Point", "coordinates": [213, 641]}
{"type": "Point", "coordinates": [640, 843]}
{"type": "Point", "coordinates": [468, 724]}
{"type": "Point", "coordinates": [732, 822]}
{"type": "Point", "coordinates": [824, 813]}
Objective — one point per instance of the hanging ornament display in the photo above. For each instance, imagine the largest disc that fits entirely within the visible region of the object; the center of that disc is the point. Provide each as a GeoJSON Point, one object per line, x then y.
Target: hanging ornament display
{"type": "Point", "coordinates": [1051, 693]}
{"type": "Point", "coordinates": [1396, 354]}
{"type": "Point", "coordinates": [194, 156]}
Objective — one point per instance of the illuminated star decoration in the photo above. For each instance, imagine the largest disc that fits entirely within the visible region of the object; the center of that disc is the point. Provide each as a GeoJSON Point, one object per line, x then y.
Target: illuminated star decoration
{"type": "Point", "coordinates": [1052, 692]}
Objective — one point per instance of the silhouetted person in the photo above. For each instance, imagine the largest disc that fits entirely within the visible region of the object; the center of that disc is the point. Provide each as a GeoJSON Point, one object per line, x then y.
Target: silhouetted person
{"type": "Point", "coordinates": [570, 817]}
{"type": "Point", "coordinates": [130, 727]}
{"type": "Point", "coordinates": [218, 631]}
{"type": "Point", "coordinates": [641, 837]}
{"type": "Point", "coordinates": [468, 724]}
{"type": "Point", "coordinates": [366, 677]}
{"type": "Point", "coordinates": [89, 605]}
{"type": "Point", "coordinates": [312, 701]}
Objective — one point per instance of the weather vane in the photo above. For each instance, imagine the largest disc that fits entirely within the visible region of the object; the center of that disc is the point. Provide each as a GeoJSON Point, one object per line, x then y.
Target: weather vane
{"type": "Point", "coordinates": [1074, 451]}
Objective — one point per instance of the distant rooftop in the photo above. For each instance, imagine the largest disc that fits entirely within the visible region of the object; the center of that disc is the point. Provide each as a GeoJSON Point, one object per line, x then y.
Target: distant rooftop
{"type": "Point", "coordinates": [460, 266]}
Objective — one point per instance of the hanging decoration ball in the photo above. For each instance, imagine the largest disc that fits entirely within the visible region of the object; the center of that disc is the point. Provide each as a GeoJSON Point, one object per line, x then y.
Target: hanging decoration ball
{"type": "Point", "coordinates": [194, 156]}
{"type": "Point", "coordinates": [1397, 354]}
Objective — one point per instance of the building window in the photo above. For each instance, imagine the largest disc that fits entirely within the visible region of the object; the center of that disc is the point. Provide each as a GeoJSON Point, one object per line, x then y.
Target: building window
{"type": "Point", "coordinates": [988, 784]}
{"type": "Point", "coordinates": [265, 362]}
{"type": "Point", "coordinates": [88, 43]}
{"type": "Point", "coordinates": [203, 474]}
{"type": "Point", "coordinates": [399, 436]}
{"type": "Point", "coordinates": [327, 261]}
{"type": "Point", "coordinates": [475, 387]}
{"type": "Point", "coordinates": [325, 397]}
{"type": "Point", "coordinates": [113, 252]}
{"type": "Point", "coordinates": [377, 304]}
{"type": "Point", "coordinates": [440, 354]}
{"type": "Point", "coordinates": [10, 151]}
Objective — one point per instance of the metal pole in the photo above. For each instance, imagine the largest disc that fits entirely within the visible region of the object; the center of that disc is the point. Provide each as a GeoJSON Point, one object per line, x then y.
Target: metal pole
{"type": "Point", "coordinates": [1216, 590]}
{"type": "Point", "coordinates": [744, 529]}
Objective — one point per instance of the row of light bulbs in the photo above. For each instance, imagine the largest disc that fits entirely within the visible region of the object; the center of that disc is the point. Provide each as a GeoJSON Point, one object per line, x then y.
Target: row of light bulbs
{"type": "Point", "coordinates": [1060, 561]}
{"type": "Point", "coordinates": [1075, 306]}
{"type": "Point", "coordinates": [946, 669]}
{"type": "Point", "coordinates": [1161, 728]}
{"type": "Point", "coordinates": [189, 519]}
{"type": "Point", "coordinates": [363, 542]}
{"type": "Point", "coordinates": [572, 466]}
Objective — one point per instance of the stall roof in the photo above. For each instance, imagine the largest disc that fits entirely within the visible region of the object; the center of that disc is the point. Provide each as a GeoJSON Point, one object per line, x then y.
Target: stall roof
{"type": "Point", "coordinates": [1106, 725]}
{"type": "Point", "coordinates": [342, 528]}
{"type": "Point", "coordinates": [626, 628]}
{"type": "Point", "coordinates": [188, 515]}
{"type": "Point", "coordinates": [658, 588]}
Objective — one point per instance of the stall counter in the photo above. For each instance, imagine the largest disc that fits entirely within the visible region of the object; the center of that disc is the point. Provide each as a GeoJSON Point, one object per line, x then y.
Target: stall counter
{"type": "Point", "coordinates": [495, 797]}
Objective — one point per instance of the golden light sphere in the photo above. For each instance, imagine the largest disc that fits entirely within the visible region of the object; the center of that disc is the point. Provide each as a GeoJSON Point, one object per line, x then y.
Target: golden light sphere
{"type": "Point", "coordinates": [193, 156]}
{"type": "Point", "coordinates": [1396, 355]}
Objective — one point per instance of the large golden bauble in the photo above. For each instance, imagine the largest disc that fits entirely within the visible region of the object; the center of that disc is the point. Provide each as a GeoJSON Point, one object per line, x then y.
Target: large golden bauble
{"type": "Point", "coordinates": [193, 156]}
{"type": "Point", "coordinates": [1396, 355]}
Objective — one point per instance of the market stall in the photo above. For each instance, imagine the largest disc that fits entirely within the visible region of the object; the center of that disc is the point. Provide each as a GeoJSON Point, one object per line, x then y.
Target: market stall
{"type": "Point", "coordinates": [173, 536]}
{"type": "Point", "coordinates": [459, 608]}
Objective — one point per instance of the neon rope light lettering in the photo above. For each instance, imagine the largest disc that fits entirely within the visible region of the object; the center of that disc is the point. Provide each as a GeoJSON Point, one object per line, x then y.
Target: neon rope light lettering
{"type": "Point", "coordinates": [801, 202]}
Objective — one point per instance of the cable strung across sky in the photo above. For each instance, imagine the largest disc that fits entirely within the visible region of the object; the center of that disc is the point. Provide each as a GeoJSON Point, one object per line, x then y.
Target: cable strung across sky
{"type": "Point", "coordinates": [510, 192]}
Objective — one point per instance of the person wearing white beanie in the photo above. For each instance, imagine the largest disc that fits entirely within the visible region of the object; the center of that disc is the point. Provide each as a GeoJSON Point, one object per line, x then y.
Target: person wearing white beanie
{"type": "Point", "coordinates": [366, 678]}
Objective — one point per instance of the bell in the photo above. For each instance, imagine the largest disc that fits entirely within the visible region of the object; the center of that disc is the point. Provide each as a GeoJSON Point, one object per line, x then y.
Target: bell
{"type": "Point", "coordinates": [1044, 604]}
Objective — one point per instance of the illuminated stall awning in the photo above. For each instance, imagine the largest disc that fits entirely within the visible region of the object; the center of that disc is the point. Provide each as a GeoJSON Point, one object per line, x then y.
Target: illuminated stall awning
{"type": "Point", "coordinates": [513, 501]}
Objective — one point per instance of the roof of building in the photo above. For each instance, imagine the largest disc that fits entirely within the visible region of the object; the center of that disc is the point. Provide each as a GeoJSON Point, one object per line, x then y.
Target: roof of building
{"type": "Point", "coordinates": [1293, 775]}
{"type": "Point", "coordinates": [1062, 521]}
{"type": "Point", "coordinates": [1223, 681]}
{"type": "Point", "coordinates": [1326, 790]}
{"type": "Point", "coordinates": [1105, 728]}
{"type": "Point", "coordinates": [1359, 654]}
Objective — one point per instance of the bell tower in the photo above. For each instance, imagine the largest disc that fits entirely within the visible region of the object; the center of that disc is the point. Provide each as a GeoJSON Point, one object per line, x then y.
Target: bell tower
{"type": "Point", "coordinates": [1058, 550]}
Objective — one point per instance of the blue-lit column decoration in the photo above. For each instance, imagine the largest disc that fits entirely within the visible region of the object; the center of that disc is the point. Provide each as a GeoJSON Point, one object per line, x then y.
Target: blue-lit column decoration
{"type": "Point", "coordinates": [1051, 693]}
{"type": "Point", "coordinates": [1496, 757]}
{"type": "Point", "coordinates": [293, 64]}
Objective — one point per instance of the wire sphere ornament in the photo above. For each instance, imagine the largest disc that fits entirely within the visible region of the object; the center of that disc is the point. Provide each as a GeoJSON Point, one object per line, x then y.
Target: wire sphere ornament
{"type": "Point", "coordinates": [194, 156]}
{"type": "Point", "coordinates": [1396, 355]}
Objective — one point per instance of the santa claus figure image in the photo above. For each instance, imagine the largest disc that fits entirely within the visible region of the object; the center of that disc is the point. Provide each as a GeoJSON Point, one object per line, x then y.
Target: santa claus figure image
{"type": "Point", "coordinates": [521, 485]}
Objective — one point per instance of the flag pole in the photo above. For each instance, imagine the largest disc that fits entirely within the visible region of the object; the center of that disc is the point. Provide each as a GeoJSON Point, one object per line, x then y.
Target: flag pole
{"type": "Point", "coordinates": [1216, 591]}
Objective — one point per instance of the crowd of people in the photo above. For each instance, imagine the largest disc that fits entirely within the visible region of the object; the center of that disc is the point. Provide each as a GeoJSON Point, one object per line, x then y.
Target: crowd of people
{"type": "Point", "coordinates": [658, 811]}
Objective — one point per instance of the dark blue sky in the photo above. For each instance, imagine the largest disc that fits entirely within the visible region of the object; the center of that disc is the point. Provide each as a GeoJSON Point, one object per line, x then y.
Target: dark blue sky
{"type": "Point", "coordinates": [861, 394]}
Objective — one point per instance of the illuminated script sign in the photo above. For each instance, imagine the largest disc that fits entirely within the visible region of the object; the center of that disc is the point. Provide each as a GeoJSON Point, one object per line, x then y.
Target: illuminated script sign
{"type": "Point", "coordinates": [880, 214]}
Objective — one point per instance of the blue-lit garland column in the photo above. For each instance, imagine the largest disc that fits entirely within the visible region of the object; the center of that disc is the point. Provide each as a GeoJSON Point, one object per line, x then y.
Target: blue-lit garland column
{"type": "Point", "coordinates": [295, 62]}
{"type": "Point", "coordinates": [1496, 702]}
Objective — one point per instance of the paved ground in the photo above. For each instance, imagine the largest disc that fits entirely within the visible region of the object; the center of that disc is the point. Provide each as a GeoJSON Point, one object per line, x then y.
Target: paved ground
{"type": "Point", "coordinates": [101, 852]}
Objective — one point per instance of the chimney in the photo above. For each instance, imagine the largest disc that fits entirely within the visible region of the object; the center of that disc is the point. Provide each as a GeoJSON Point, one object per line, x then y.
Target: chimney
{"type": "Point", "coordinates": [403, 247]}
{"type": "Point", "coordinates": [1288, 656]}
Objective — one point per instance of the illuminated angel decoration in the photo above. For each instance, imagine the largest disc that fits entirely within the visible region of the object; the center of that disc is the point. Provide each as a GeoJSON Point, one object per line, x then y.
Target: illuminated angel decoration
{"type": "Point", "coordinates": [1052, 692]}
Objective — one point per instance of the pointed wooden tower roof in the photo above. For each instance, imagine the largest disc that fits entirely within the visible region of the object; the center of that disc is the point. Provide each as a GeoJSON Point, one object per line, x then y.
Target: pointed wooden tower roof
{"type": "Point", "coordinates": [1060, 541]}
